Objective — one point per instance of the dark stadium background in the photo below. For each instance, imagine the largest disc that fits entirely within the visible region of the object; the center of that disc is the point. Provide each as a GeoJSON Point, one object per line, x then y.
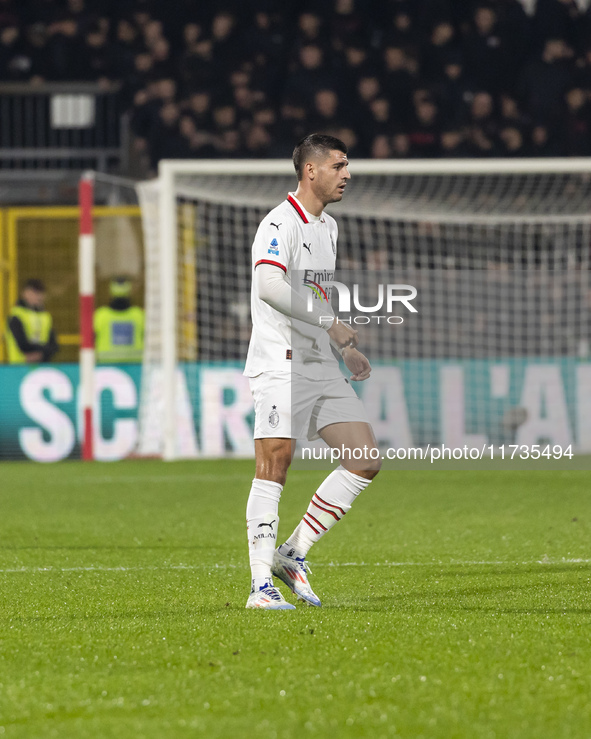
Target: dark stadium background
{"type": "Point", "coordinates": [393, 78]}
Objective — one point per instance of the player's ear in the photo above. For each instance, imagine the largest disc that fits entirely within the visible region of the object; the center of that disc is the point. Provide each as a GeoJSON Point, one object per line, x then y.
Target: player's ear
{"type": "Point", "coordinates": [310, 170]}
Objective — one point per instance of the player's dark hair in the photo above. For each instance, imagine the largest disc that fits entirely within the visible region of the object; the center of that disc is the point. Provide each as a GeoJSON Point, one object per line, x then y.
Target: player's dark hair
{"type": "Point", "coordinates": [315, 146]}
{"type": "Point", "coordinates": [34, 284]}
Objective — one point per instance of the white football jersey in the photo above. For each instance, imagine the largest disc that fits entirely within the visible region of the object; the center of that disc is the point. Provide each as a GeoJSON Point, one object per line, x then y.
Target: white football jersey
{"type": "Point", "coordinates": [304, 247]}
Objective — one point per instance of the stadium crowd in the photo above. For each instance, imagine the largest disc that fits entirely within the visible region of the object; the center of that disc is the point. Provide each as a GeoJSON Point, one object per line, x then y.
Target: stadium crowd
{"type": "Point", "coordinates": [392, 78]}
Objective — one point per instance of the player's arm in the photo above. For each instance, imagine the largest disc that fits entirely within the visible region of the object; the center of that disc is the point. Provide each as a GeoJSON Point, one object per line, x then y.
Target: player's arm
{"type": "Point", "coordinates": [275, 290]}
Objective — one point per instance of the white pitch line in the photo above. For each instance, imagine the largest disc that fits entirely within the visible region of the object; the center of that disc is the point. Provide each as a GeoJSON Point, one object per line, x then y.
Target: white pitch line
{"type": "Point", "coordinates": [152, 478]}
{"type": "Point", "coordinates": [470, 563]}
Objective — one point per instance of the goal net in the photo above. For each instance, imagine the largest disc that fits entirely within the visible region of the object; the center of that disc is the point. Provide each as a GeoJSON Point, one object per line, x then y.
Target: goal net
{"type": "Point", "coordinates": [498, 252]}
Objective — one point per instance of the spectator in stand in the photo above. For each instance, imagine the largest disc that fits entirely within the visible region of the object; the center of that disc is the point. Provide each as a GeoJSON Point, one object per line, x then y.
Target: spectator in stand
{"type": "Point", "coordinates": [401, 146]}
{"type": "Point", "coordinates": [482, 114]}
{"type": "Point", "coordinates": [258, 142]}
{"type": "Point", "coordinates": [124, 49]}
{"type": "Point", "coordinates": [401, 31]}
{"type": "Point", "coordinates": [294, 125]}
{"type": "Point", "coordinates": [381, 120]}
{"type": "Point", "coordinates": [227, 45]}
{"type": "Point", "coordinates": [15, 63]}
{"type": "Point", "coordinates": [399, 79]}
{"type": "Point", "coordinates": [326, 115]}
{"type": "Point", "coordinates": [153, 32]}
{"type": "Point", "coordinates": [164, 65]}
{"type": "Point", "coordinates": [454, 87]}
{"type": "Point", "coordinates": [368, 88]}
{"type": "Point", "coordinates": [224, 116]}
{"type": "Point", "coordinates": [228, 144]}
{"type": "Point", "coordinates": [380, 147]}
{"type": "Point", "coordinates": [488, 55]}
{"type": "Point", "coordinates": [482, 125]}
{"type": "Point", "coordinates": [197, 65]}
{"type": "Point", "coordinates": [265, 51]}
{"type": "Point", "coordinates": [356, 62]}
{"type": "Point", "coordinates": [310, 73]}
{"type": "Point", "coordinates": [453, 143]}
{"type": "Point", "coordinates": [582, 75]}
{"type": "Point", "coordinates": [544, 81]}
{"type": "Point", "coordinates": [243, 98]}
{"type": "Point", "coordinates": [36, 53]}
{"type": "Point", "coordinates": [79, 12]}
{"type": "Point", "coordinates": [424, 132]}
{"type": "Point", "coordinates": [95, 57]}
{"type": "Point", "coordinates": [512, 142]}
{"type": "Point", "coordinates": [165, 138]}
{"type": "Point", "coordinates": [197, 143]}
{"type": "Point", "coordinates": [516, 31]}
{"type": "Point", "coordinates": [312, 30]}
{"type": "Point", "coordinates": [198, 107]}
{"type": "Point", "coordinates": [63, 50]}
{"type": "Point", "coordinates": [545, 142]}
{"type": "Point", "coordinates": [510, 113]}
{"type": "Point", "coordinates": [442, 42]}
{"type": "Point", "coordinates": [347, 22]}
{"type": "Point", "coordinates": [577, 123]}
{"type": "Point", "coordinates": [556, 19]}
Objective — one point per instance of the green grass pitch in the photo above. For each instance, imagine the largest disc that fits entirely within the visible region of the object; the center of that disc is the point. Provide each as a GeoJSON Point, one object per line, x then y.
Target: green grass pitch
{"type": "Point", "coordinates": [455, 604]}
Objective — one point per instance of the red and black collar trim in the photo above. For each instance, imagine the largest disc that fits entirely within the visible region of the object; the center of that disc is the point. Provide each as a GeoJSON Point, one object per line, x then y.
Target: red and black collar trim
{"type": "Point", "coordinates": [292, 201]}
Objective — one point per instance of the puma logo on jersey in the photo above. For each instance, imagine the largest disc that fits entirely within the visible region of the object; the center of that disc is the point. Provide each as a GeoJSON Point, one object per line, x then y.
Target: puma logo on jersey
{"type": "Point", "coordinates": [270, 525]}
{"type": "Point", "coordinates": [307, 246]}
{"type": "Point", "coordinates": [276, 225]}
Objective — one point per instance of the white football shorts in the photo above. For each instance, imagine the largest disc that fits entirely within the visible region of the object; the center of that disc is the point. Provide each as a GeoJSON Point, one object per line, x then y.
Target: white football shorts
{"type": "Point", "coordinates": [291, 406]}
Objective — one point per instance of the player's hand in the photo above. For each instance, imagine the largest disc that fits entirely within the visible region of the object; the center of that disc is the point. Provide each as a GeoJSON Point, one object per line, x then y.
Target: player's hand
{"type": "Point", "coordinates": [358, 363]}
{"type": "Point", "coordinates": [342, 334]}
{"type": "Point", "coordinates": [33, 357]}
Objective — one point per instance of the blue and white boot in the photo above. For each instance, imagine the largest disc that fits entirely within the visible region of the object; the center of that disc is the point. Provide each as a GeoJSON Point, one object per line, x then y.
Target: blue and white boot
{"type": "Point", "coordinates": [268, 597]}
{"type": "Point", "coordinates": [293, 571]}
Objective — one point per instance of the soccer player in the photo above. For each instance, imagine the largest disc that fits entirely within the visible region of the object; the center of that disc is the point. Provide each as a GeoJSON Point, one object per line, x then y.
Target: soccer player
{"type": "Point", "coordinates": [295, 379]}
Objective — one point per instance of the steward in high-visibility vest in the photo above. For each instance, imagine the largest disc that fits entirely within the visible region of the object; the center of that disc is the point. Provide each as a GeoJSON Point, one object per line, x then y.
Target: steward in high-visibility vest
{"type": "Point", "coordinates": [30, 337]}
{"type": "Point", "coordinates": [119, 327]}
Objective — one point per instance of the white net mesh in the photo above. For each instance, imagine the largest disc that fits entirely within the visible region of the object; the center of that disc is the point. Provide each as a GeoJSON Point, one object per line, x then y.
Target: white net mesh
{"type": "Point", "coordinates": [500, 262]}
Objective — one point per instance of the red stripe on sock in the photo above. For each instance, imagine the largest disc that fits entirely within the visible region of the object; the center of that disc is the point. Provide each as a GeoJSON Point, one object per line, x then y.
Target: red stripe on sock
{"type": "Point", "coordinates": [332, 505]}
{"type": "Point", "coordinates": [317, 521]}
{"type": "Point", "coordinates": [326, 510]}
{"type": "Point", "coordinates": [310, 525]}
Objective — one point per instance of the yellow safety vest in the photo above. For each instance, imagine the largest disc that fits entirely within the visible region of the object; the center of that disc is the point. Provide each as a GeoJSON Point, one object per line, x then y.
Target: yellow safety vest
{"type": "Point", "coordinates": [119, 334]}
{"type": "Point", "coordinates": [37, 326]}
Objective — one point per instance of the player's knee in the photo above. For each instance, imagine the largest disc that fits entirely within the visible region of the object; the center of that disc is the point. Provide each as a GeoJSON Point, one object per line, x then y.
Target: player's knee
{"type": "Point", "coordinates": [370, 474]}
{"type": "Point", "coordinates": [366, 474]}
{"type": "Point", "coordinates": [370, 469]}
{"type": "Point", "coordinates": [274, 465]}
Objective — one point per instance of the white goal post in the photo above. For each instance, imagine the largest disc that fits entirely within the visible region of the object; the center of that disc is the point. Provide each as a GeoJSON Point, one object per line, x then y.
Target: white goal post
{"type": "Point", "coordinates": [424, 215]}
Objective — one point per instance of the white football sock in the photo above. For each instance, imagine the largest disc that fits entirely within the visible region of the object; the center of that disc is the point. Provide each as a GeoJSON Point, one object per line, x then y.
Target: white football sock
{"type": "Point", "coordinates": [262, 522]}
{"type": "Point", "coordinates": [329, 504]}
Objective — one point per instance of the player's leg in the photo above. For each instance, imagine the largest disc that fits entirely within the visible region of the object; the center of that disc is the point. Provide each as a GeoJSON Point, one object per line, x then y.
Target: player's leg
{"type": "Point", "coordinates": [273, 457]}
{"type": "Point", "coordinates": [339, 419]}
{"type": "Point", "coordinates": [334, 498]}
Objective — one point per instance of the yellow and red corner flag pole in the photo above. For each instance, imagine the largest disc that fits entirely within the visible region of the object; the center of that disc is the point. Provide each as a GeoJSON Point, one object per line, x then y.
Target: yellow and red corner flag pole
{"type": "Point", "coordinates": [86, 250]}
